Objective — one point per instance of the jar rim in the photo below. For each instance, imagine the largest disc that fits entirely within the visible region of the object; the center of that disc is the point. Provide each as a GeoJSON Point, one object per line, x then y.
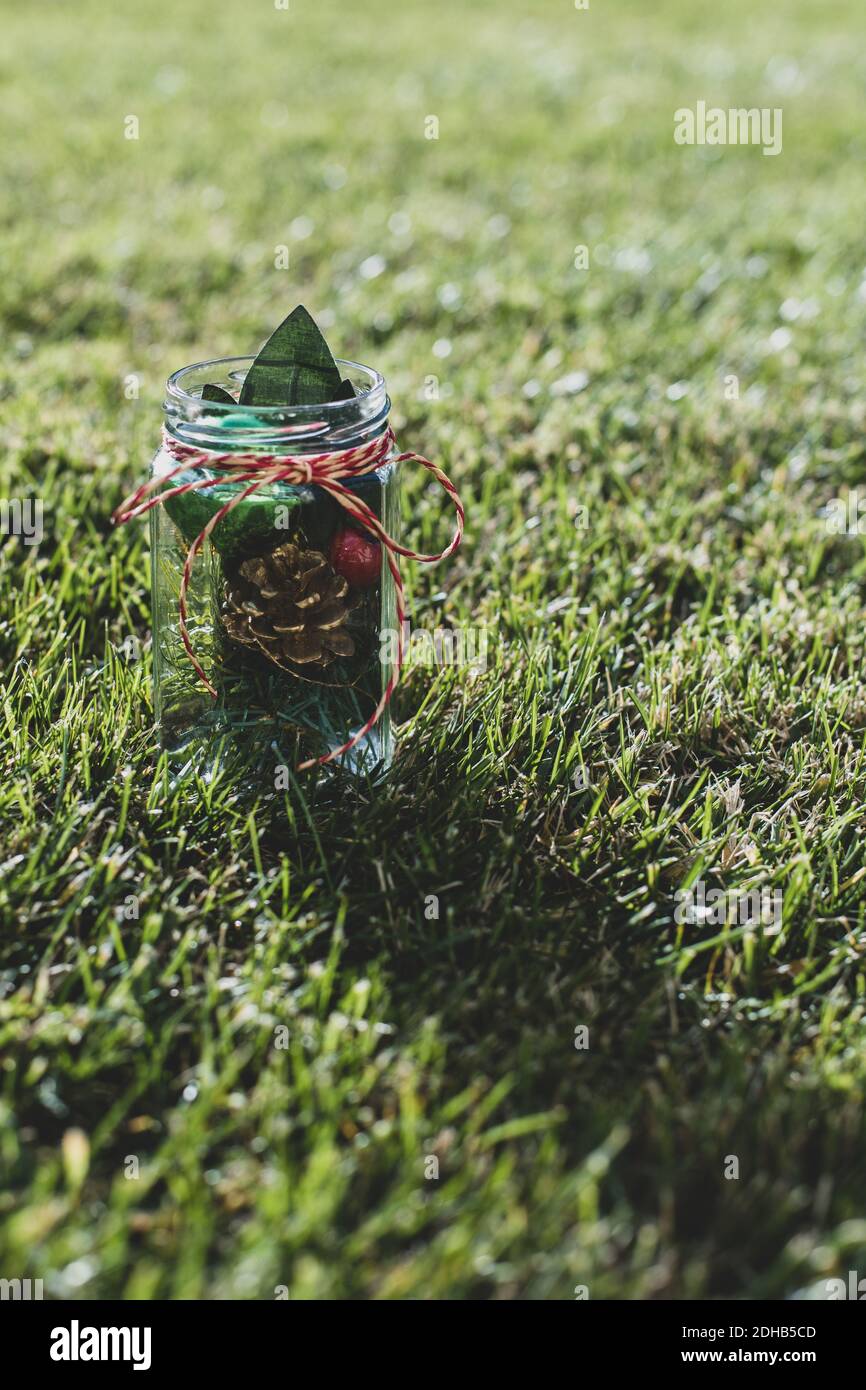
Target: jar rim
{"type": "Point", "coordinates": [291, 428]}
{"type": "Point", "coordinates": [176, 391]}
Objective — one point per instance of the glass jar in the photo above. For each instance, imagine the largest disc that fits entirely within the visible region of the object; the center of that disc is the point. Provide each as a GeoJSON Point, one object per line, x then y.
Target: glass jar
{"type": "Point", "coordinates": [287, 601]}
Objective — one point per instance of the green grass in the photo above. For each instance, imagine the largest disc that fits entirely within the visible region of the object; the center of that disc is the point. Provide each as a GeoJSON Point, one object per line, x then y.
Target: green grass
{"type": "Point", "coordinates": [696, 652]}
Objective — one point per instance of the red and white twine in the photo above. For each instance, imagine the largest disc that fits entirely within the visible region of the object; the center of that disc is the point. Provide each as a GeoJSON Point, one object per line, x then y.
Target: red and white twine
{"type": "Point", "coordinates": [327, 471]}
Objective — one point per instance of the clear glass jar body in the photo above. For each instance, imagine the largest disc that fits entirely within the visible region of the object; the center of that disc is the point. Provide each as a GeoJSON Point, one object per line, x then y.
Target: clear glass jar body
{"type": "Point", "coordinates": [296, 639]}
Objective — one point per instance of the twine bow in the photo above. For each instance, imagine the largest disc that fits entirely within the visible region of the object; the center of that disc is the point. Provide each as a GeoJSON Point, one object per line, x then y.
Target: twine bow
{"type": "Point", "coordinates": [327, 471]}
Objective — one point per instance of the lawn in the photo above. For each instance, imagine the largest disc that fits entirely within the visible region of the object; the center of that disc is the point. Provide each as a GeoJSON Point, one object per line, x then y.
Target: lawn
{"type": "Point", "coordinates": [445, 1037]}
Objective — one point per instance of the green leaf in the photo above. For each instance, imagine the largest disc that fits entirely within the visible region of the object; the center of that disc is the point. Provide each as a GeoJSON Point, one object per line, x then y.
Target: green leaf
{"type": "Point", "coordinates": [295, 367]}
{"type": "Point", "coordinates": [253, 523]}
{"type": "Point", "coordinates": [216, 393]}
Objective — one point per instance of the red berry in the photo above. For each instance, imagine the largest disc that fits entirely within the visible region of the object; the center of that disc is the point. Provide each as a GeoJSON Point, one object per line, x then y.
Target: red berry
{"type": "Point", "coordinates": [357, 558]}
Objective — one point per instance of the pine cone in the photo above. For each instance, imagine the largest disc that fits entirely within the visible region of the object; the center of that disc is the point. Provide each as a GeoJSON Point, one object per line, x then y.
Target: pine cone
{"type": "Point", "coordinates": [291, 605]}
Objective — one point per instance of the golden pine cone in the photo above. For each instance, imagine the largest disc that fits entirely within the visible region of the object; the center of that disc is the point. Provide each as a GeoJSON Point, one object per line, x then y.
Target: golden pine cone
{"type": "Point", "coordinates": [291, 605]}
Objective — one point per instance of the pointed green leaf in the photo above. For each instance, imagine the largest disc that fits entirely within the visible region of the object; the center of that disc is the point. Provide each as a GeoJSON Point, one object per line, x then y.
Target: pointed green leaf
{"type": "Point", "coordinates": [346, 392]}
{"type": "Point", "coordinates": [216, 393]}
{"type": "Point", "coordinates": [295, 366]}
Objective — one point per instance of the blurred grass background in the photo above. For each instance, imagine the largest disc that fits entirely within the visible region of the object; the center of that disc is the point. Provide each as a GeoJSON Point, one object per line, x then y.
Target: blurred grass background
{"type": "Point", "coordinates": [696, 654]}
